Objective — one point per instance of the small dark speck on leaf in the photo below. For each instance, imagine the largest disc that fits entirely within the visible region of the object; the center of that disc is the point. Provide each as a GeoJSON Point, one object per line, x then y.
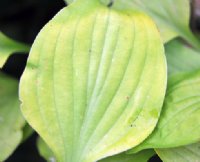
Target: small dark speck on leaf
{"type": "Point", "coordinates": [133, 125]}
{"type": "Point", "coordinates": [31, 66]}
{"type": "Point", "coordinates": [111, 3]}
{"type": "Point", "coordinates": [158, 30]}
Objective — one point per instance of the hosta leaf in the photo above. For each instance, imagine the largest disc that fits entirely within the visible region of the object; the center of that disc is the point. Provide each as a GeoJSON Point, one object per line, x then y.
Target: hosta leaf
{"type": "Point", "coordinates": [45, 151]}
{"type": "Point", "coordinates": [68, 1]}
{"type": "Point", "coordinates": [179, 121]}
{"type": "Point", "coordinates": [106, 2]}
{"type": "Point", "coordinates": [181, 58]}
{"type": "Point", "coordinates": [190, 153]}
{"type": "Point", "coordinates": [165, 13]}
{"type": "Point", "coordinates": [8, 47]}
{"type": "Point", "coordinates": [87, 88]}
{"type": "Point", "coordinates": [142, 156]}
{"type": "Point", "coordinates": [27, 132]}
{"type": "Point", "coordinates": [172, 17]}
{"type": "Point", "coordinates": [11, 120]}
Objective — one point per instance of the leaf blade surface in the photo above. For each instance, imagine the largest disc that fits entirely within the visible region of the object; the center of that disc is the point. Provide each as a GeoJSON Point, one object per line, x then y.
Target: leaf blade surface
{"type": "Point", "coordinates": [189, 153]}
{"type": "Point", "coordinates": [180, 115]}
{"type": "Point", "coordinates": [8, 47]}
{"type": "Point", "coordinates": [96, 82]}
{"type": "Point", "coordinates": [11, 120]}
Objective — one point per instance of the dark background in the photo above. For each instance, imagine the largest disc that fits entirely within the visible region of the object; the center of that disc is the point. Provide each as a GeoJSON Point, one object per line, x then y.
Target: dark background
{"type": "Point", "coordinates": [22, 20]}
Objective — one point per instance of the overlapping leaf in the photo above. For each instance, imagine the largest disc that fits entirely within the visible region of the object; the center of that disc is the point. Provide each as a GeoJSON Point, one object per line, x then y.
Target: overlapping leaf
{"type": "Point", "coordinates": [181, 58]}
{"type": "Point", "coordinates": [11, 120]}
{"type": "Point", "coordinates": [106, 2]}
{"type": "Point", "coordinates": [87, 88]}
{"type": "Point", "coordinates": [8, 47]}
{"type": "Point", "coordinates": [165, 13]}
{"type": "Point", "coordinates": [190, 153]}
{"type": "Point", "coordinates": [172, 17]}
{"type": "Point", "coordinates": [27, 132]}
{"type": "Point", "coordinates": [68, 1]}
{"type": "Point", "coordinates": [45, 151]}
{"type": "Point", "coordinates": [142, 156]}
{"type": "Point", "coordinates": [179, 121]}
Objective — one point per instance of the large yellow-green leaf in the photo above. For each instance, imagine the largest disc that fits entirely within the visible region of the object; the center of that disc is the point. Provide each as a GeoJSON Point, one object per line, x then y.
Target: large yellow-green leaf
{"type": "Point", "coordinates": [142, 156]}
{"type": "Point", "coordinates": [11, 120]}
{"type": "Point", "coordinates": [8, 47]}
{"type": "Point", "coordinates": [181, 58]}
{"type": "Point", "coordinates": [179, 121]}
{"type": "Point", "coordinates": [87, 87]}
{"type": "Point", "coordinates": [190, 153]}
{"type": "Point", "coordinates": [172, 17]}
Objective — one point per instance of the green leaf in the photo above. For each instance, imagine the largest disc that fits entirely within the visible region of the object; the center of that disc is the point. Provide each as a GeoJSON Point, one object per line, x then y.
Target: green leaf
{"type": "Point", "coordinates": [179, 121]}
{"type": "Point", "coordinates": [190, 153]}
{"type": "Point", "coordinates": [27, 132]}
{"type": "Point", "coordinates": [8, 47]}
{"type": "Point", "coordinates": [68, 1]}
{"type": "Point", "coordinates": [45, 151]}
{"type": "Point", "coordinates": [171, 17]}
{"type": "Point", "coordinates": [142, 156]}
{"type": "Point", "coordinates": [106, 2]}
{"type": "Point", "coordinates": [11, 120]}
{"type": "Point", "coordinates": [87, 87]}
{"type": "Point", "coordinates": [181, 58]}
